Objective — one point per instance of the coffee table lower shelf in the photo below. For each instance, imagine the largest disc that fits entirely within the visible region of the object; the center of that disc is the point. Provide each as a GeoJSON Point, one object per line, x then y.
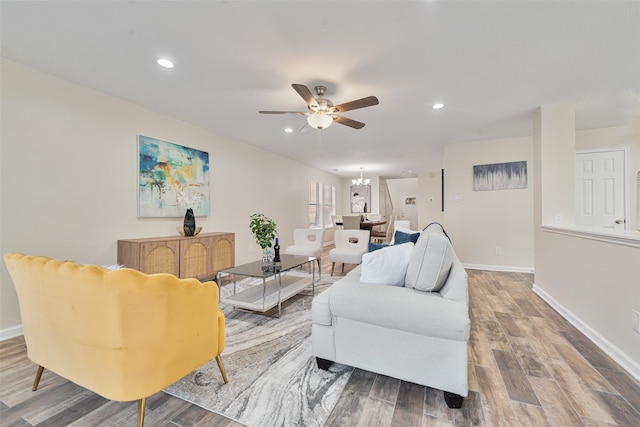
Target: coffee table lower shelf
{"type": "Point", "coordinates": [255, 300]}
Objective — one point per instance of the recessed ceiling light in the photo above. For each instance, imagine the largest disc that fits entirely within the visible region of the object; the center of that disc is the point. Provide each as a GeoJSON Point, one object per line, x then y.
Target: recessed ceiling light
{"type": "Point", "coordinates": [437, 106]}
{"type": "Point", "coordinates": [165, 63]}
{"type": "Point", "coordinates": [288, 130]}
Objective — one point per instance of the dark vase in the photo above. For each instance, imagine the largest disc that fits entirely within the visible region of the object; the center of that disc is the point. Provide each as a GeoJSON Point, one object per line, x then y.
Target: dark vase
{"type": "Point", "coordinates": [189, 223]}
{"type": "Point", "coordinates": [276, 250]}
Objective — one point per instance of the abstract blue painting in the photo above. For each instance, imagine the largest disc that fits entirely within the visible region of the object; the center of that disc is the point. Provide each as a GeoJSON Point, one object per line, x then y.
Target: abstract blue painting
{"type": "Point", "coordinates": [500, 176]}
{"type": "Point", "coordinates": [171, 179]}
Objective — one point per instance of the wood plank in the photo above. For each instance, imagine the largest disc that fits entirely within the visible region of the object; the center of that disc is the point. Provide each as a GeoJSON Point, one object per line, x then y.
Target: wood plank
{"type": "Point", "coordinates": [557, 409]}
{"type": "Point", "coordinates": [71, 413]}
{"type": "Point", "coordinates": [589, 376]}
{"type": "Point", "coordinates": [479, 345]}
{"type": "Point", "coordinates": [590, 351]}
{"type": "Point", "coordinates": [497, 339]}
{"type": "Point", "coordinates": [535, 415]}
{"type": "Point", "coordinates": [353, 399]}
{"type": "Point", "coordinates": [385, 388]}
{"type": "Point", "coordinates": [435, 407]}
{"type": "Point", "coordinates": [410, 405]}
{"type": "Point", "coordinates": [429, 421]}
{"type": "Point", "coordinates": [110, 414]}
{"type": "Point", "coordinates": [619, 408]}
{"type": "Point", "coordinates": [583, 400]}
{"type": "Point", "coordinates": [538, 341]}
{"type": "Point", "coordinates": [626, 386]}
{"type": "Point", "coordinates": [528, 358]}
{"type": "Point", "coordinates": [471, 413]}
{"type": "Point", "coordinates": [376, 413]}
{"type": "Point", "coordinates": [162, 406]}
{"type": "Point", "coordinates": [514, 378]}
{"type": "Point", "coordinates": [509, 326]}
{"type": "Point", "coordinates": [495, 399]}
{"type": "Point", "coordinates": [45, 403]}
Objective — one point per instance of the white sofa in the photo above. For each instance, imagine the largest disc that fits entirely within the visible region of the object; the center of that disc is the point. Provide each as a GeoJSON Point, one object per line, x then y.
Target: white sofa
{"type": "Point", "coordinates": [404, 331]}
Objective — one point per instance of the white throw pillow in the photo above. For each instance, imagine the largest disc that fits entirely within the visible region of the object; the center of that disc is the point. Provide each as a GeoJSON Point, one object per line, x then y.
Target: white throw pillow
{"type": "Point", "coordinates": [430, 263]}
{"type": "Point", "coordinates": [386, 266]}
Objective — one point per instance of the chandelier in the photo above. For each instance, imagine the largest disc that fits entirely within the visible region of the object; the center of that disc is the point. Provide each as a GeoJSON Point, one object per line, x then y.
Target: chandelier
{"type": "Point", "coordinates": [361, 181]}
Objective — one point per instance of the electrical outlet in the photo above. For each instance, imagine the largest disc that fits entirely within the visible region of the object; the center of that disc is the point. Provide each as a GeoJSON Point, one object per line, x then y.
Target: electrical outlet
{"type": "Point", "coordinates": [498, 250]}
{"type": "Point", "coordinates": [635, 320]}
{"type": "Point", "coordinates": [558, 218]}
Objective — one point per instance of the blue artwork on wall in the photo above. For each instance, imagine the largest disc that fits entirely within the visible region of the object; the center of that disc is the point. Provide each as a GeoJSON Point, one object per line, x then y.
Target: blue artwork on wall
{"type": "Point", "coordinates": [171, 179]}
{"type": "Point", "coordinates": [500, 176]}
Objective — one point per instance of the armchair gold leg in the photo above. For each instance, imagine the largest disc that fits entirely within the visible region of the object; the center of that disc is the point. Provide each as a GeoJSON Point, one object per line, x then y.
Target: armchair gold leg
{"type": "Point", "coordinates": [38, 376]}
{"type": "Point", "coordinates": [222, 371]}
{"type": "Point", "coordinates": [141, 404]}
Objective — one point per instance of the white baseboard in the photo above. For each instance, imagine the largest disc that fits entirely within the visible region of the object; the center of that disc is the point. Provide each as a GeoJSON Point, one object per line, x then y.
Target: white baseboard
{"type": "Point", "coordinates": [12, 332]}
{"type": "Point", "coordinates": [506, 268]}
{"type": "Point", "coordinates": [630, 365]}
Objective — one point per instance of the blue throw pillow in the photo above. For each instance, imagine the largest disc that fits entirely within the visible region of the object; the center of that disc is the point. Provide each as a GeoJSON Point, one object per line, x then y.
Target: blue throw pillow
{"type": "Point", "coordinates": [375, 246]}
{"type": "Point", "coordinates": [399, 237]}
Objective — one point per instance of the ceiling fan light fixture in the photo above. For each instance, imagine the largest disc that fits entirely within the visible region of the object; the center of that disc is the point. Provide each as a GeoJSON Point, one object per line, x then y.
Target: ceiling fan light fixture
{"type": "Point", "coordinates": [319, 120]}
{"type": "Point", "coordinates": [164, 62]}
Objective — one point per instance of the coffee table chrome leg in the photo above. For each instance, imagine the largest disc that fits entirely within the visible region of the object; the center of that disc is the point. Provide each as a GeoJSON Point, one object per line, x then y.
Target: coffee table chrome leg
{"type": "Point", "coordinates": [279, 299]}
{"type": "Point", "coordinates": [313, 279]}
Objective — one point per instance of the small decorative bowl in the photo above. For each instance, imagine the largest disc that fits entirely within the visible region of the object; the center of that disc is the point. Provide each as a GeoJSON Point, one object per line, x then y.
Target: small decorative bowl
{"type": "Point", "coordinates": [180, 231]}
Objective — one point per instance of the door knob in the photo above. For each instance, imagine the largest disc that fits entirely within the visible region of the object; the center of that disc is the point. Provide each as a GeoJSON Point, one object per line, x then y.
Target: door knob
{"type": "Point", "coordinates": [620, 221]}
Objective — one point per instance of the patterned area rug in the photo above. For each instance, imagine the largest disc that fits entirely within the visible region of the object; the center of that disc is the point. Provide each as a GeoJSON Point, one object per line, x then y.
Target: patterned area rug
{"type": "Point", "coordinates": [273, 378]}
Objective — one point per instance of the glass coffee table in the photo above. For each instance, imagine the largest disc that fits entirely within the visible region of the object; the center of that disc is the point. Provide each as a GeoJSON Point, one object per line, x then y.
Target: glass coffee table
{"type": "Point", "coordinates": [272, 292]}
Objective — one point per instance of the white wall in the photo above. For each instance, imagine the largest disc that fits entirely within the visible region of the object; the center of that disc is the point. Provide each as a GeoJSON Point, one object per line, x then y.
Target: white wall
{"type": "Point", "coordinates": [592, 283]}
{"type": "Point", "coordinates": [482, 220]}
{"type": "Point", "coordinates": [429, 198]}
{"type": "Point", "coordinates": [69, 176]}
{"type": "Point", "coordinates": [596, 285]}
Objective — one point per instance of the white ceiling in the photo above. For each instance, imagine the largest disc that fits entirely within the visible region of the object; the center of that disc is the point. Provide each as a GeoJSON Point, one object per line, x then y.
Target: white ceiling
{"type": "Point", "coordinates": [491, 63]}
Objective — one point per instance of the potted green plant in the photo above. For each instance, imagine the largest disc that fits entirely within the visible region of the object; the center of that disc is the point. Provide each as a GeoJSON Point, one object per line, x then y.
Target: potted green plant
{"type": "Point", "coordinates": [264, 231]}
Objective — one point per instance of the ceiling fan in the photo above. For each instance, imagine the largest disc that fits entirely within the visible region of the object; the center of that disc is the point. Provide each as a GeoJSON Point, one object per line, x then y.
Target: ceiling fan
{"type": "Point", "coordinates": [322, 112]}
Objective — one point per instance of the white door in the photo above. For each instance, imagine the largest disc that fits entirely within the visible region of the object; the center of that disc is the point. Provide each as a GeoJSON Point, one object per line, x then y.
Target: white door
{"type": "Point", "coordinates": [409, 211]}
{"type": "Point", "coordinates": [600, 189]}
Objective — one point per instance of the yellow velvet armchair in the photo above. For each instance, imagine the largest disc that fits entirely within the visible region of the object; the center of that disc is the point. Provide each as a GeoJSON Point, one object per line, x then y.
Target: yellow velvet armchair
{"type": "Point", "coordinates": [122, 334]}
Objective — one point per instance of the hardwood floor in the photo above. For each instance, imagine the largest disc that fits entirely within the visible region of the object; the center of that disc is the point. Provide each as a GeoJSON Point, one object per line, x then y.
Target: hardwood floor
{"type": "Point", "coordinates": [527, 367]}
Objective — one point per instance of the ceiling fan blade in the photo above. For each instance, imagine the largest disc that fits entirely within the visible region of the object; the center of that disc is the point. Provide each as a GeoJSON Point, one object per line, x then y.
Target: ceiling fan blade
{"type": "Point", "coordinates": [348, 122]}
{"type": "Point", "coordinates": [358, 103]}
{"type": "Point", "coordinates": [283, 112]}
{"type": "Point", "coordinates": [306, 94]}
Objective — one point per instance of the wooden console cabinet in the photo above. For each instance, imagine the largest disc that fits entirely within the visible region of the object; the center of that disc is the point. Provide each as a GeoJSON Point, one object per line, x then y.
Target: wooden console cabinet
{"type": "Point", "coordinates": [200, 256]}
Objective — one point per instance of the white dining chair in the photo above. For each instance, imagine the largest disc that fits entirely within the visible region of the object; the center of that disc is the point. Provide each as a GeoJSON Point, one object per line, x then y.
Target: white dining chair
{"type": "Point", "coordinates": [351, 222]}
{"type": "Point", "coordinates": [384, 236]}
{"type": "Point", "coordinates": [308, 242]}
{"type": "Point", "coordinates": [337, 222]}
{"type": "Point", "coordinates": [350, 246]}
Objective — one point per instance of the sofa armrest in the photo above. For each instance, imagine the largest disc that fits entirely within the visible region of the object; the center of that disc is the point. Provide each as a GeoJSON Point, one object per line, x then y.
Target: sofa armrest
{"type": "Point", "coordinates": [418, 312]}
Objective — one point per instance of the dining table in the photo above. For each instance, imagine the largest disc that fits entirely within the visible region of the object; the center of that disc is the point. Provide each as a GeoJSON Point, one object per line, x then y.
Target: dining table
{"type": "Point", "coordinates": [368, 225]}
